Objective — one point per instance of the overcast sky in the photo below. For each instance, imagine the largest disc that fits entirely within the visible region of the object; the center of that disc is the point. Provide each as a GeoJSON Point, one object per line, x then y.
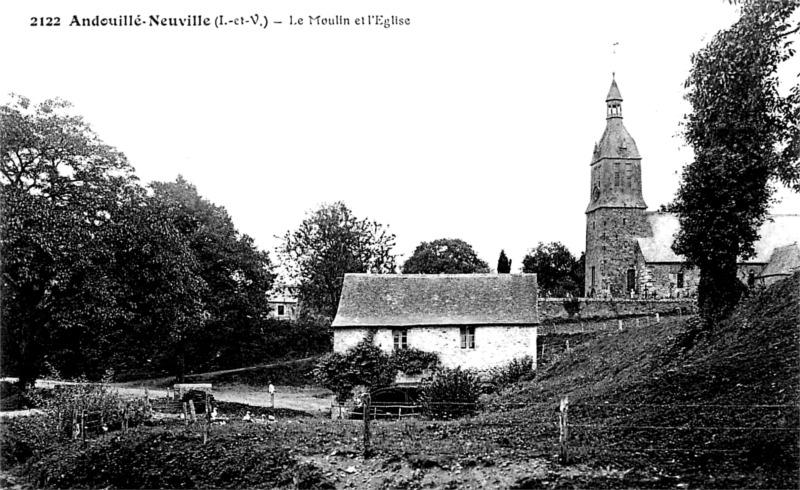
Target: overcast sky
{"type": "Point", "coordinates": [476, 121]}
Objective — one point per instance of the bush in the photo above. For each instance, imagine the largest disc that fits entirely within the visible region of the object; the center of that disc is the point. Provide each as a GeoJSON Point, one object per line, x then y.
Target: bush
{"type": "Point", "coordinates": [519, 369]}
{"type": "Point", "coordinates": [25, 437]}
{"type": "Point", "coordinates": [367, 365]}
{"type": "Point", "coordinates": [452, 393]}
{"type": "Point", "coordinates": [414, 361]}
{"type": "Point", "coordinates": [364, 364]}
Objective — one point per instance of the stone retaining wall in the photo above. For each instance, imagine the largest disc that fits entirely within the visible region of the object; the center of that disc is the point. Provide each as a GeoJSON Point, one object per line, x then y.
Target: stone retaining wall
{"type": "Point", "coordinates": [562, 310]}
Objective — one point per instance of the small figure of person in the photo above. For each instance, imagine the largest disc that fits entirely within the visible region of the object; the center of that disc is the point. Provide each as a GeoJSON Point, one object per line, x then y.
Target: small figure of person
{"type": "Point", "coordinates": [272, 394]}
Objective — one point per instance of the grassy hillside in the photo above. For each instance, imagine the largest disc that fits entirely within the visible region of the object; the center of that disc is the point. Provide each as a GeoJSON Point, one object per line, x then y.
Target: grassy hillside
{"type": "Point", "coordinates": [717, 407]}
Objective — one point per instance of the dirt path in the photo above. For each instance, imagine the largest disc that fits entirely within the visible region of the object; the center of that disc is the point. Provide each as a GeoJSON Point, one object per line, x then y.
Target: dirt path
{"type": "Point", "coordinates": [314, 400]}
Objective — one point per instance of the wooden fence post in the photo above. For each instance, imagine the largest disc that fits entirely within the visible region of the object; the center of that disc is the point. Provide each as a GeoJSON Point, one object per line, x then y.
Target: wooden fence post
{"type": "Point", "coordinates": [192, 412]}
{"type": "Point", "coordinates": [658, 318]}
{"type": "Point", "coordinates": [207, 432]}
{"type": "Point", "coordinates": [367, 442]}
{"type": "Point", "coordinates": [185, 414]}
{"type": "Point", "coordinates": [563, 455]}
{"type": "Point", "coordinates": [83, 426]}
{"type": "Point", "coordinates": [620, 325]}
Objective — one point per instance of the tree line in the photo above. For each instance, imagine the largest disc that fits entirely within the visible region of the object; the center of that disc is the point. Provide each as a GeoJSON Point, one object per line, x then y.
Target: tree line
{"type": "Point", "coordinates": [101, 272]}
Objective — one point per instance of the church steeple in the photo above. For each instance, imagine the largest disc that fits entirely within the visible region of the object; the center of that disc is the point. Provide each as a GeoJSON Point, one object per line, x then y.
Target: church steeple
{"type": "Point", "coordinates": [616, 162]}
{"type": "Point", "coordinates": [615, 216]}
{"type": "Point", "coordinates": [613, 101]}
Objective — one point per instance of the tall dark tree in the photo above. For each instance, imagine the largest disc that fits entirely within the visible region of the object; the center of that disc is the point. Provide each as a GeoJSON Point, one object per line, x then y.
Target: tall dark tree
{"type": "Point", "coordinates": [329, 243]}
{"type": "Point", "coordinates": [745, 138]}
{"type": "Point", "coordinates": [556, 268]}
{"type": "Point", "coordinates": [503, 264]}
{"type": "Point", "coordinates": [238, 276]}
{"type": "Point", "coordinates": [444, 256]}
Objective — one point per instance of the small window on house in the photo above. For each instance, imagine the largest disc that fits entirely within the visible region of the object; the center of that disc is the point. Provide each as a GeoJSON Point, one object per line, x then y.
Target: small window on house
{"type": "Point", "coordinates": [592, 276]}
{"type": "Point", "coordinates": [467, 337]}
{"type": "Point", "coordinates": [616, 179]}
{"type": "Point", "coordinates": [631, 280]}
{"type": "Point", "coordinates": [400, 339]}
{"type": "Point", "coordinates": [751, 279]}
{"type": "Point", "coordinates": [281, 310]}
{"type": "Point", "coordinates": [680, 280]}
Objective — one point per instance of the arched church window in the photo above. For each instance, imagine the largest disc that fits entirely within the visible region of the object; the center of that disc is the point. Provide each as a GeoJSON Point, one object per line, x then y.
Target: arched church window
{"type": "Point", "coordinates": [631, 280]}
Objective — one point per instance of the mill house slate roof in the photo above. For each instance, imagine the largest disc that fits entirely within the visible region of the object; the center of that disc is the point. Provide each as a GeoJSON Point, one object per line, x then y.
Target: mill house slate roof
{"type": "Point", "coordinates": [395, 300]}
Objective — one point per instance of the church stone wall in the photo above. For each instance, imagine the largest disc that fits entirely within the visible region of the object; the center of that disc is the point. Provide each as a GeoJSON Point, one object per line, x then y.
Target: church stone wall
{"type": "Point", "coordinates": [611, 249]}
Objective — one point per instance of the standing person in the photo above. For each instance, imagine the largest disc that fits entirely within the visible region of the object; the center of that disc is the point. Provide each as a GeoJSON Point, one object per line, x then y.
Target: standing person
{"type": "Point", "coordinates": [272, 394]}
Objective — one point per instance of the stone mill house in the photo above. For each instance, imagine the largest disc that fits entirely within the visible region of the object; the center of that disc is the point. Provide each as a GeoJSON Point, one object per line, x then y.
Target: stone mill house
{"type": "Point", "coordinates": [475, 321]}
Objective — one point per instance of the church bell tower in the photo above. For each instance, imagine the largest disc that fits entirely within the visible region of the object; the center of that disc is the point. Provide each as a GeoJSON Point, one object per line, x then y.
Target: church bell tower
{"type": "Point", "coordinates": [615, 215]}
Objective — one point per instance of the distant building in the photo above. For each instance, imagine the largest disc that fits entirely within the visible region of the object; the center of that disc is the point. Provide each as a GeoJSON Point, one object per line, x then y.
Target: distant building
{"type": "Point", "coordinates": [628, 249]}
{"type": "Point", "coordinates": [782, 264]}
{"type": "Point", "coordinates": [283, 307]}
{"type": "Point", "coordinates": [475, 321]}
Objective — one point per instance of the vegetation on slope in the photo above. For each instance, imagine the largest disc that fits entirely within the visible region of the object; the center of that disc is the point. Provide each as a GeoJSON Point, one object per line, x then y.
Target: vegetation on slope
{"type": "Point", "coordinates": [720, 406]}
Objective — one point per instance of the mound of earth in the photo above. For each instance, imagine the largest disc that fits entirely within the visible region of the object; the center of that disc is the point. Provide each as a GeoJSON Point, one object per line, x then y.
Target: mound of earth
{"type": "Point", "coordinates": [241, 456]}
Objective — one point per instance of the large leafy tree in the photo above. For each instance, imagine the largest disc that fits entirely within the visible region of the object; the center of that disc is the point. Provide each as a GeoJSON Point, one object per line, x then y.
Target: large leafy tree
{"type": "Point", "coordinates": [88, 270]}
{"type": "Point", "coordinates": [444, 256]}
{"type": "Point", "coordinates": [238, 275]}
{"type": "Point", "coordinates": [745, 137]}
{"type": "Point", "coordinates": [329, 243]}
{"type": "Point", "coordinates": [59, 185]}
{"type": "Point", "coordinates": [558, 271]}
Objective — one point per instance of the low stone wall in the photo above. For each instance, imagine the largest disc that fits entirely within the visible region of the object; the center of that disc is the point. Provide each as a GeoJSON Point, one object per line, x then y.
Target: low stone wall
{"type": "Point", "coordinates": [563, 310]}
